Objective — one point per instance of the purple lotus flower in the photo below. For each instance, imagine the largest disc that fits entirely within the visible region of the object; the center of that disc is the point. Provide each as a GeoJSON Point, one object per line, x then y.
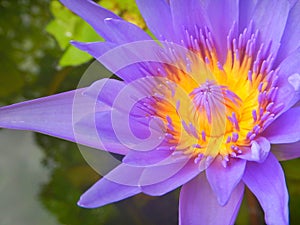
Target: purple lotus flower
{"type": "Point", "coordinates": [211, 108]}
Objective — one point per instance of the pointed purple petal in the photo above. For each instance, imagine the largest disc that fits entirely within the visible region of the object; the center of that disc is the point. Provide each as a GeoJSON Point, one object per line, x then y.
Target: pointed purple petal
{"type": "Point", "coordinates": [187, 15]}
{"type": "Point", "coordinates": [289, 80]}
{"type": "Point", "coordinates": [98, 126]}
{"type": "Point", "coordinates": [222, 179]}
{"type": "Point", "coordinates": [120, 136]}
{"type": "Point", "coordinates": [125, 181]}
{"type": "Point", "coordinates": [292, 2]}
{"type": "Point", "coordinates": [95, 49]}
{"type": "Point", "coordinates": [123, 32]}
{"type": "Point", "coordinates": [290, 40]}
{"type": "Point", "coordinates": [194, 14]}
{"type": "Point", "coordinates": [188, 172]}
{"type": "Point", "coordinates": [266, 181]}
{"type": "Point", "coordinates": [131, 61]}
{"type": "Point", "coordinates": [286, 151]}
{"type": "Point", "coordinates": [105, 192]}
{"type": "Point", "coordinates": [50, 115]}
{"type": "Point", "coordinates": [146, 158]}
{"type": "Point", "coordinates": [198, 204]}
{"type": "Point", "coordinates": [246, 9]}
{"type": "Point", "coordinates": [58, 116]}
{"type": "Point", "coordinates": [157, 15]}
{"type": "Point", "coordinates": [99, 49]}
{"type": "Point", "coordinates": [118, 127]}
{"type": "Point", "coordinates": [145, 176]}
{"type": "Point", "coordinates": [125, 174]}
{"type": "Point", "coordinates": [92, 13]}
{"type": "Point", "coordinates": [161, 172]}
{"type": "Point", "coordinates": [286, 128]}
{"type": "Point", "coordinates": [105, 90]}
{"type": "Point", "coordinates": [220, 24]}
{"type": "Point", "coordinates": [269, 18]}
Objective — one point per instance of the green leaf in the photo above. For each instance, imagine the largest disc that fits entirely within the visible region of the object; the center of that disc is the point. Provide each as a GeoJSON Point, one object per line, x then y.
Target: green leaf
{"type": "Point", "coordinates": [65, 27]}
{"type": "Point", "coordinates": [74, 57]}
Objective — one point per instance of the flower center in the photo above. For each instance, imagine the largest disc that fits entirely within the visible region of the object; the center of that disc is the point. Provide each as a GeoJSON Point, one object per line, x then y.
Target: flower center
{"type": "Point", "coordinates": [218, 108]}
{"type": "Point", "coordinates": [215, 107]}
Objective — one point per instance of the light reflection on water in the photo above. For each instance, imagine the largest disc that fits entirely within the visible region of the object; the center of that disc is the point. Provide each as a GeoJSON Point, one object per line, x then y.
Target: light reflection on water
{"type": "Point", "coordinates": [22, 175]}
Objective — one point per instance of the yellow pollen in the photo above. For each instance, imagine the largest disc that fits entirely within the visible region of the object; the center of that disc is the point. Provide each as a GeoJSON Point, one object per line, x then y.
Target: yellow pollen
{"type": "Point", "coordinates": [213, 111]}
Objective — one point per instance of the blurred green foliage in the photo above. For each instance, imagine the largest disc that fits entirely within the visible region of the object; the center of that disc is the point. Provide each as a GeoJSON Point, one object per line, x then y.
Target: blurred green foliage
{"type": "Point", "coordinates": [65, 27]}
{"type": "Point", "coordinates": [23, 45]}
{"type": "Point", "coordinates": [36, 59]}
{"type": "Point", "coordinates": [29, 56]}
